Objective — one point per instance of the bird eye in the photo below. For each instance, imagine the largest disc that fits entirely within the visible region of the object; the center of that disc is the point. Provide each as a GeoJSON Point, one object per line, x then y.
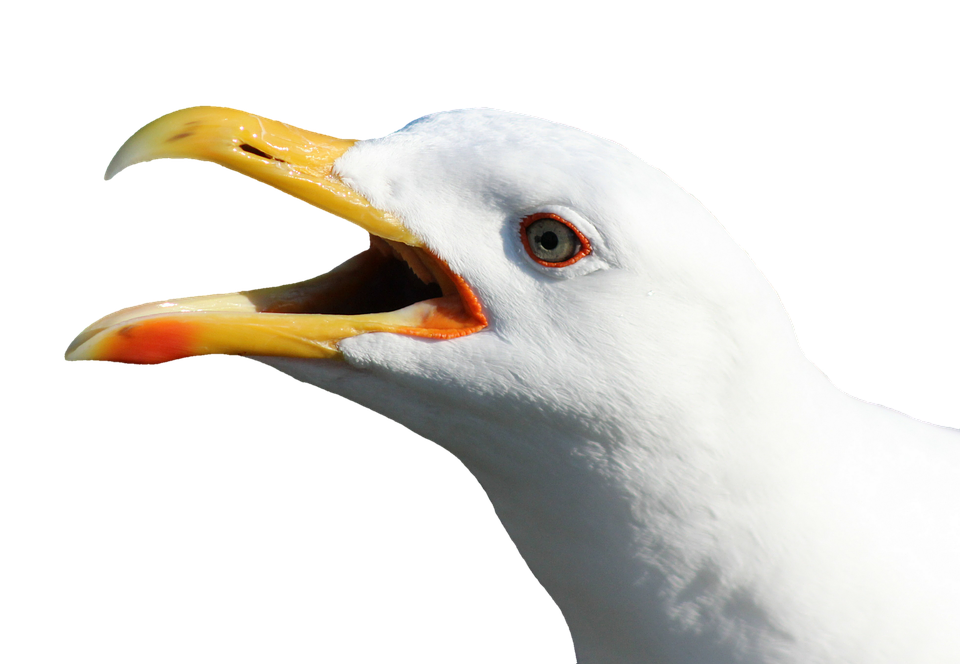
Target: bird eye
{"type": "Point", "coordinates": [552, 240]}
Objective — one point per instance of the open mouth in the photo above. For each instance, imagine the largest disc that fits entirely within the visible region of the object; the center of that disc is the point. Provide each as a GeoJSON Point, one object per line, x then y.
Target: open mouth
{"type": "Point", "coordinates": [395, 286]}
{"type": "Point", "coordinates": [390, 287]}
{"type": "Point", "coordinates": [388, 277]}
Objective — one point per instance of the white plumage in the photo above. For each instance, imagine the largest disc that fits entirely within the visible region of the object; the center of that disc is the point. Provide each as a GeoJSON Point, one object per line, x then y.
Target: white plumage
{"type": "Point", "coordinates": [682, 481]}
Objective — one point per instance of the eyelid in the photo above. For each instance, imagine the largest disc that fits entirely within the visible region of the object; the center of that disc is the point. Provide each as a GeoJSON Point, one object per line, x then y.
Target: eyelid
{"type": "Point", "coordinates": [585, 247]}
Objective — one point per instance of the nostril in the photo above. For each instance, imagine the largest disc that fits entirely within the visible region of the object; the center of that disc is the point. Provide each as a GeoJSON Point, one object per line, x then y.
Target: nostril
{"type": "Point", "coordinates": [260, 153]}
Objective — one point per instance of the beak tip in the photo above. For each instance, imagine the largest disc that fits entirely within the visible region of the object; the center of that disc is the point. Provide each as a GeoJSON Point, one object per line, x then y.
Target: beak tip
{"type": "Point", "coordinates": [112, 169]}
{"type": "Point", "coordinates": [138, 148]}
{"type": "Point", "coordinates": [117, 164]}
{"type": "Point", "coordinates": [72, 354]}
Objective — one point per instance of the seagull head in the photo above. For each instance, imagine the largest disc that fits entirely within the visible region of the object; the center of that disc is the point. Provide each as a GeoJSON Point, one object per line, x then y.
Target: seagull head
{"type": "Point", "coordinates": [515, 265]}
{"type": "Point", "coordinates": [567, 321]}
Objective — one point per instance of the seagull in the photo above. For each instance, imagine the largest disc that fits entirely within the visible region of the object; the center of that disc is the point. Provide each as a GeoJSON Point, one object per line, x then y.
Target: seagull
{"type": "Point", "coordinates": [620, 378]}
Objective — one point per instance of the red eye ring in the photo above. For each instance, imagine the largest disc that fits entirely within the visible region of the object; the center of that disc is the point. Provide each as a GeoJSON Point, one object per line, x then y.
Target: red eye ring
{"type": "Point", "coordinates": [584, 242]}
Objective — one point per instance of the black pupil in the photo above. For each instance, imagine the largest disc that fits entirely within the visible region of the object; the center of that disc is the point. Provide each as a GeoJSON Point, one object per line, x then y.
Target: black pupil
{"type": "Point", "coordinates": [549, 240]}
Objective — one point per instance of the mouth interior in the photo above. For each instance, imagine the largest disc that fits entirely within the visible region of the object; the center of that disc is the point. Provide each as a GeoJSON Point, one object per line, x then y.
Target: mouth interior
{"type": "Point", "coordinates": [388, 276]}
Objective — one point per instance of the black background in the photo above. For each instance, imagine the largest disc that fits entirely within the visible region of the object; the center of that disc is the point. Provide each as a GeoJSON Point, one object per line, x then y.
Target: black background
{"type": "Point", "coordinates": [216, 502]}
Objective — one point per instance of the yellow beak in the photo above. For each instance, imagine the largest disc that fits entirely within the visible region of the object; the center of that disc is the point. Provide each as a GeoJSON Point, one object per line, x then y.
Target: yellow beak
{"type": "Point", "coordinates": [396, 286]}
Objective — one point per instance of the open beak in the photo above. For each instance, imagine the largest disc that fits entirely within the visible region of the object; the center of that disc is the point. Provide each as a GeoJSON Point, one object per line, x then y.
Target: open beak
{"type": "Point", "coordinates": [395, 286]}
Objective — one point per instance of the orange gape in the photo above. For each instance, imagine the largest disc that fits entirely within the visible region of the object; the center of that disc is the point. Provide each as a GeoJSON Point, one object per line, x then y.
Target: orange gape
{"type": "Point", "coordinates": [454, 316]}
